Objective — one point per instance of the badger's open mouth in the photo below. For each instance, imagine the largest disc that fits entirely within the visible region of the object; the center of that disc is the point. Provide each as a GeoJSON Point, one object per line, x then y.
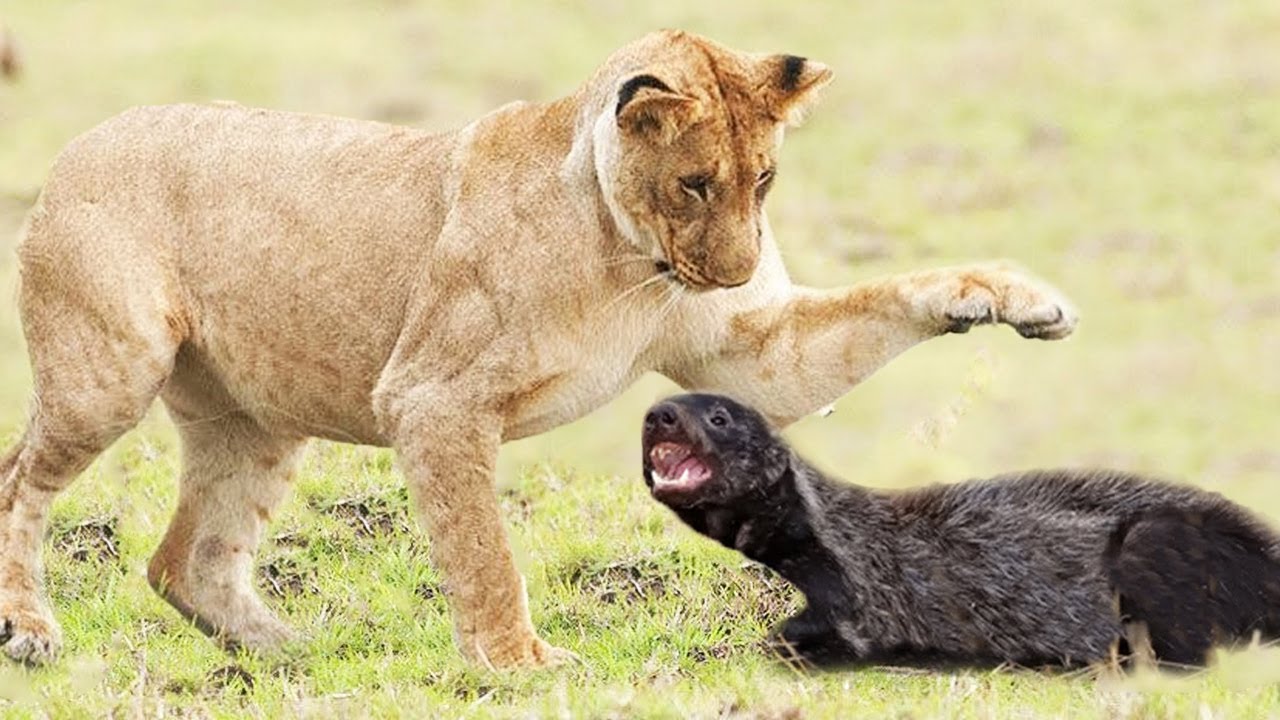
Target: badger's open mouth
{"type": "Point", "coordinates": [676, 468]}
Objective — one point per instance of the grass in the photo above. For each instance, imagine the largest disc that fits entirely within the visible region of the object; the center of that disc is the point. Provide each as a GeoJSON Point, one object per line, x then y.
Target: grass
{"type": "Point", "coordinates": [1126, 151]}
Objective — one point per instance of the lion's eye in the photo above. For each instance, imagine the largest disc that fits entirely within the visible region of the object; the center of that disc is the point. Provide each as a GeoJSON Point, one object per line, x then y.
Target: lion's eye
{"type": "Point", "coordinates": [764, 181]}
{"type": "Point", "coordinates": [696, 185]}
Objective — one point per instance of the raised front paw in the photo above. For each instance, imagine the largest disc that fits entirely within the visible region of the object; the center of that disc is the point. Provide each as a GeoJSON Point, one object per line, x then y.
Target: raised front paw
{"type": "Point", "coordinates": [999, 294]}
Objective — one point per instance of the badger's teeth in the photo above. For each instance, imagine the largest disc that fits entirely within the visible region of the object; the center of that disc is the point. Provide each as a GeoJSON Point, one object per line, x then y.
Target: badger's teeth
{"type": "Point", "coordinates": [681, 481]}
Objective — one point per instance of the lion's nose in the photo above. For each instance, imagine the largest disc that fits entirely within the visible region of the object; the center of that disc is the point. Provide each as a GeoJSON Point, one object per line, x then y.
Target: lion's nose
{"type": "Point", "coordinates": [735, 267]}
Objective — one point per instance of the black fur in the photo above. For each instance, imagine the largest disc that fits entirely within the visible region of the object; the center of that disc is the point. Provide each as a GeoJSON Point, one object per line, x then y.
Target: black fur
{"type": "Point", "coordinates": [1042, 568]}
{"type": "Point", "coordinates": [792, 67]}
{"type": "Point", "coordinates": [633, 86]}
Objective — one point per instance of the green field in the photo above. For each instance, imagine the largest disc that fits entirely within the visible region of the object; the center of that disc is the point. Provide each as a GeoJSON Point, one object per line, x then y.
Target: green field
{"type": "Point", "coordinates": [1127, 151]}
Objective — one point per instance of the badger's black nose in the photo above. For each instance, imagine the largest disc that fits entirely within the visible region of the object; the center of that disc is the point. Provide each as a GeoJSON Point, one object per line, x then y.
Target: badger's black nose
{"type": "Point", "coordinates": [663, 416]}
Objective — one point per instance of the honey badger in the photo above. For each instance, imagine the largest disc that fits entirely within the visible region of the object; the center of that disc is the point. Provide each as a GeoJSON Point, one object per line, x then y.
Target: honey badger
{"type": "Point", "coordinates": [1052, 567]}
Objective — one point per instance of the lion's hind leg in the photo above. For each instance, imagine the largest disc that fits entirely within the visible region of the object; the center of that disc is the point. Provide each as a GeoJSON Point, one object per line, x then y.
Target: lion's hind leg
{"type": "Point", "coordinates": [234, 476]}
{"type": "Point", "coordinates": [101, 334]}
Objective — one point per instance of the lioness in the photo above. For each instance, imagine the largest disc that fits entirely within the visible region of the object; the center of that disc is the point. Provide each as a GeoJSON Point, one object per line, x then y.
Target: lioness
{"type": "Point", "coordinates": [274, 277]}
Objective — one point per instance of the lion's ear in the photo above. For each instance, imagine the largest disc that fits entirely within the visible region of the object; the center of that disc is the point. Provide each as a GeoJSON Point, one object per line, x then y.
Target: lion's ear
{"type": "Point", "coordinates": [790, 85]}
{"type": "Point", "coordinates": [649, 107]}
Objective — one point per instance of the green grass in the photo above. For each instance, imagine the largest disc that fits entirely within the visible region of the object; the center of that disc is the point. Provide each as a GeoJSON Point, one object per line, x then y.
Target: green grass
{"type": "Point", "coordinates": [1127, 151]}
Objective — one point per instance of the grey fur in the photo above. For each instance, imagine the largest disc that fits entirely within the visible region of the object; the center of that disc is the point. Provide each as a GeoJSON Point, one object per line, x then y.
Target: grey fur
{"type": "Point", "coordinates": [1027, 567]}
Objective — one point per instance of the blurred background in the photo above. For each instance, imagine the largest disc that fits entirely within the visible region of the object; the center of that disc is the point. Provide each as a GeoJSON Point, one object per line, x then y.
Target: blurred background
{"type": "Point", "coordinates": [1129, 152]}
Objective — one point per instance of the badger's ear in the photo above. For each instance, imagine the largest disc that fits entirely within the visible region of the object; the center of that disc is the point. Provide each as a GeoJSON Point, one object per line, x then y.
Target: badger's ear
{"type": "Point", "coordinates": [790, 86]}
{"type": "Point", "coordinates": [648, 107]}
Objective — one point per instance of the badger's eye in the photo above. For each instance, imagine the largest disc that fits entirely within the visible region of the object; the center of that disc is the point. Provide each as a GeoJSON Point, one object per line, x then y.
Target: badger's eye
{"type": "Point", "coordinates": [719, 417]}
{"type": "Point", "coordinates": [696, 185]}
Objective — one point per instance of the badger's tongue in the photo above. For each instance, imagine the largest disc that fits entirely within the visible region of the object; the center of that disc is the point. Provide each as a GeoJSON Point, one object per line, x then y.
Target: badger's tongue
{"type": "Point", "coordinates": [667, 456]}
{"type": "Point", "coordinates": [688, 474]}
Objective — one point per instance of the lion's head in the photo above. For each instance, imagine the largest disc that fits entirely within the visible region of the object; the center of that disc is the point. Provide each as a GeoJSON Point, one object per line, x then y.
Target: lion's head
{"type": "Point", "coordinates": [686, 149]}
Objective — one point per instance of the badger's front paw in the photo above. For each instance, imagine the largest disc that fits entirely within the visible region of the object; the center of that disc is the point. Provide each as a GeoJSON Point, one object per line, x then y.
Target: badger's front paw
{"type": "Point", "coordinates": [806, 639]}
{"type": "Point", "coordinates": [1000, 294]}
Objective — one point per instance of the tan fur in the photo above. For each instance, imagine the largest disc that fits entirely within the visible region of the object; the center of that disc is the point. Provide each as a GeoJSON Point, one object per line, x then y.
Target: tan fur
{"type": "Point", "coordinates": [275, 276]}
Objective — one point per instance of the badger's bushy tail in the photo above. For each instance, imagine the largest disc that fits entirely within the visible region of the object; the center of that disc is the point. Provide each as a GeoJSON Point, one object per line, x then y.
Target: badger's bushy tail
{"type": "Point", "coordinates": [1197, 579]}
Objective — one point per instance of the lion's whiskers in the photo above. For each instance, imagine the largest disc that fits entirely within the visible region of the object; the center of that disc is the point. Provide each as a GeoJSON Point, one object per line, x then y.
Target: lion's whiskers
{"type": "Point", "coordinates": [634, 289]}
{"type": "Point", "coordinates": [617, 260]}
{"type": "Point", "coordinates": [673, 294]}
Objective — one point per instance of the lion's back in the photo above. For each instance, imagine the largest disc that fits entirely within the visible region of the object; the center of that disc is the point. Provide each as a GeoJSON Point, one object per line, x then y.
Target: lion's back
{"type": "Point", "coordinates": [148, 154]}
{"type": "Point", "coordinates": [267, 231]}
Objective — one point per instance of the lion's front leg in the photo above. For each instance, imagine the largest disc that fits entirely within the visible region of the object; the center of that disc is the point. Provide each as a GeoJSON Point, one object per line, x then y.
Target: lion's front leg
{"type": "Point", "coordinates": [802, 353]}
{"type": "Point", "coordinates": [448, 461]}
